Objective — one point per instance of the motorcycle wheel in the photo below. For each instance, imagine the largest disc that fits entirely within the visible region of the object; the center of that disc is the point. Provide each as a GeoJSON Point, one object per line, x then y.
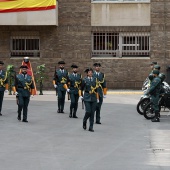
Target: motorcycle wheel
{"type": "Point", "coordinates": [149, 111]}
{"type": "Point", "coordinates": [141, 105]}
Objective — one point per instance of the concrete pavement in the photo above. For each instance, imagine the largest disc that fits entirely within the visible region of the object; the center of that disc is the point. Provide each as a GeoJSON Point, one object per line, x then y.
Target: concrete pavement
{"type": "Point", "coordinates": [52, 141]}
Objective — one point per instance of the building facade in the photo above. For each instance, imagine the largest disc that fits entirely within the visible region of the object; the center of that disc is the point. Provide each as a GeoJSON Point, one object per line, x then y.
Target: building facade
{"type": "Point", "coordinates": [123, 35]}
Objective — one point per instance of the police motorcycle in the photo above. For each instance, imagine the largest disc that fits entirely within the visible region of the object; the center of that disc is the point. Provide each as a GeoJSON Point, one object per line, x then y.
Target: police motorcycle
{"type": "Point", "coordinates": [164, 102]}
{"type": "Point", "coordinates": [145, 99]}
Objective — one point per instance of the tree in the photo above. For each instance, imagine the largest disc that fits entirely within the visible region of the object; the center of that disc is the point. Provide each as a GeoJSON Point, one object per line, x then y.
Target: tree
{"type": "Point", "coordinates": [41, 76]}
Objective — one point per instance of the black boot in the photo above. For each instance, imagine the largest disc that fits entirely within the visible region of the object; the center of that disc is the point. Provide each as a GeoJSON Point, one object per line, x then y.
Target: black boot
{"type": "Point", "coordinates": [74, 114]}
{"type": "Point", "coordinates": [84, 125]}
{"type": "Point", "coordinates": [70, 113]}
{"type": "Point", "coordinates": [156, 118]}
{"type": "Point", "coordinates": [19, 115]}
{"type": "Point", "coordinates": [91, 130]}
{"type": "Point", "coordinates": [75, 110]}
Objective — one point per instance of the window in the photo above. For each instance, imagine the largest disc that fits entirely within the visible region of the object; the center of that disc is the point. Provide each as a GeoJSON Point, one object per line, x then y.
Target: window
{"type": "Point", "coordinates": [121, 44]}
{"type": "Point", "coordinates": [25, 46]}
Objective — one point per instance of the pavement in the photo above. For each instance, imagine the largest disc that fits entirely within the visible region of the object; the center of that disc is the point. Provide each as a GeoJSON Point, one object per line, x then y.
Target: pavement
{"type": "Point", "coordinates": [52, 141]}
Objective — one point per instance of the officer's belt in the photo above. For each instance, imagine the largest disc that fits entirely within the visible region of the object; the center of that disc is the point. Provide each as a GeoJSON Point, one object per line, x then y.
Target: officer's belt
{"type": "Point", "coordinates": [90, 92]}
{"type": "Point", "coordinates": [23, 88]}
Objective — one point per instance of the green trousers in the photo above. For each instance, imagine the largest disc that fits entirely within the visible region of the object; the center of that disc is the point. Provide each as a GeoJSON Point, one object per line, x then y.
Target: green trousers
{"type": "Point", "coordinates": [98, 108]}
{"type": "Point", "coordinates": [90, 108]}
{"type": "Point", "coordinates": [1, 99]}
{"type": "Point", "coordinates": [61, 99]}
{"type": "Point", "coordinates": [74, 103]}
{"type": "Point", "coordinates": [23, 105]}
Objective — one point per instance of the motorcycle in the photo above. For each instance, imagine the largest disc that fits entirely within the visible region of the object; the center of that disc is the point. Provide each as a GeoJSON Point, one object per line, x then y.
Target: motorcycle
{"type": "Point", "coordinates": [164, 102]}
{"type": "Point", "coordinates": [145, 99]}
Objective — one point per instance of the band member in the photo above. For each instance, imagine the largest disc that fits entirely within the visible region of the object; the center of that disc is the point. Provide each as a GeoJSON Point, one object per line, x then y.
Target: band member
{"type": "Point", "coordinates": [90, 98]}
{"type": "Point", "coordinates": [26, 62]}
{"type": "Point", "coordinates": [3, 84]}
{"type": "Point", "coordinates": [60, 78]}
{"type": "Point", "coordinates": [23, 88]}
{"type": "Point", "coordinates": [74, 84]}
{"type": "Point", "coordinates": [101, 89]}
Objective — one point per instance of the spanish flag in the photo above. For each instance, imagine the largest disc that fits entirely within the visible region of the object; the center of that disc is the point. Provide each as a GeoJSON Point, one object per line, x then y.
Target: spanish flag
{"type": "Point", "coordinates": [26, 5]}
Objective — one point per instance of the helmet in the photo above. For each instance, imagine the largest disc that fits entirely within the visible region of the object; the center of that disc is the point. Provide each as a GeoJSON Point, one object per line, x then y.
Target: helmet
{"type": "Point", "coordinates": [26, 59]}
{"type": "Point", "coordinates": [162, 76]}
{"type": "Point", "coordinates": [150, 77]}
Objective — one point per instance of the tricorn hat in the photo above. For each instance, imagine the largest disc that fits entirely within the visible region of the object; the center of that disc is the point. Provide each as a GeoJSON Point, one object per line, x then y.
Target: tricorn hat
{"type": "Point", "coordinates": [157, 67]}
{"type": "Point", "coordinates": [88, 69]}
{"type": "Point", "coordinates": [97, 64]}
{"type": "Point", "coordinates": [1, 62]}
{"type": "Point", "coordinates": [74, 66]}
{"type": "Point", "coordinates": [153, 63]}
{"type": "Point", "coordinates": [23, 66]}
{"type": "Point", "coordinates": [61, 62]}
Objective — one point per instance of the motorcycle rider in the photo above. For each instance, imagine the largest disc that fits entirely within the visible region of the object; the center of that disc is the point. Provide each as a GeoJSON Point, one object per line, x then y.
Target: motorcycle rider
{"type": "Point", "coordinates": [154, 91]}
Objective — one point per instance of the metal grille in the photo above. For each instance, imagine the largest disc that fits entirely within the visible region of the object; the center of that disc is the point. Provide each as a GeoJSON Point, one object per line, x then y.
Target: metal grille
{"type": "Point", "coordinates": [120, 44]}
{"type": "Point", "coordinates": [25, 46]}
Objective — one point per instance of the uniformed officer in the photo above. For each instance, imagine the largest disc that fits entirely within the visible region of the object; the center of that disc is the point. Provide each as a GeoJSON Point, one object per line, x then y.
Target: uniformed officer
{"type": "Point", "coordinates": [74, 84]}
{"type": "Point", "coordinates": [150, 77]}
{"type": "Point", "coordinates": [23, 88]}
{"type": "Point", "coordinates": [101, 89]}
{"type": "Point", "coordinates": [152, 64]}
{"type": "Point", "coordinates": [3, 84]}
{"type": "Point", "coordinates": [154, 91]}
{"type": "Point", "coordinates": [89, 86]}
{"type": "Point", "coordinates": [60, 78]}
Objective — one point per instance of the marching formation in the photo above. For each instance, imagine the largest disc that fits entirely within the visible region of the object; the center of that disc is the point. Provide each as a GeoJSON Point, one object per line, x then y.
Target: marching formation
{"type": "Point", "coordinates": [91, 90]}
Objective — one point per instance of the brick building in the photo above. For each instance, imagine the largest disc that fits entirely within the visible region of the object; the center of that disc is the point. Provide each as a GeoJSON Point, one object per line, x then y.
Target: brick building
{"type": "Point", "coordinates": [123, 35]}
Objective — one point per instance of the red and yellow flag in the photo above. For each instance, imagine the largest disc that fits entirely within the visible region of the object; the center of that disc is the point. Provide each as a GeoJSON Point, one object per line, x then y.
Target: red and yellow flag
{"type": "Point", "coordinates": [26, 5]}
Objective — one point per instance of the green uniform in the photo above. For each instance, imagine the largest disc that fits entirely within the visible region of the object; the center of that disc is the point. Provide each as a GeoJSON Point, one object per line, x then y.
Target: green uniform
{"type": "Point", "coordinates": [90, 99]}
{"type": "Point", "coordinates": [3, 82]}
{"type": "Point", "coordinates": [23, 85]}
{"type": "Point", "coordinates": [74, 83]}
{"type": "Point", "coordinates": [61, 78]}
{"type": "Point", "coordinates": [101, 83]}
{"type": "Point", "coordinates": [154, 91]}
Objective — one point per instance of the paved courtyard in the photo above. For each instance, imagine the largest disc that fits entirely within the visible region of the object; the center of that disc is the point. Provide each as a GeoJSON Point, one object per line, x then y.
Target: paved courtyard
{"type": "Point", "coordinates": [52, 141]}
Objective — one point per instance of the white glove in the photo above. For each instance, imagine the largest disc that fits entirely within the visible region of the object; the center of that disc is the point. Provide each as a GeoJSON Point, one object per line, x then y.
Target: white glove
{"type": "Point", "coordinates": [16, 93]}
{"type": "Point", "coordinates": [6, 91]}
{"type": "Point", "coordinates": [68, 90]}
{"type": "Point", "coordinates": [104, 96]}
{"type": "Point", "coordinates": [97, 100]}
{"type": "Point", "coordinates": [81, 97]}
{"type": "Point", "coordinates": [55, 86]}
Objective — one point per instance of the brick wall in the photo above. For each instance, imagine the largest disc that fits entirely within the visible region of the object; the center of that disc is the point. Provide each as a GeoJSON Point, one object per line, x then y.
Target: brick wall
{"type": "Point", "coordinates": [71, 42]}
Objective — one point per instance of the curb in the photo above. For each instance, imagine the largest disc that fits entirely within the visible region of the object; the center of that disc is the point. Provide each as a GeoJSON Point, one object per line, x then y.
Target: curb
{"type": "Point", "coordinates": [124, 92]}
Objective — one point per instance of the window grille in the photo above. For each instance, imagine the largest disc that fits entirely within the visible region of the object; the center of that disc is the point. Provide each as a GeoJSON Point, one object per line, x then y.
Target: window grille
{"type": "Point", "coordinates": [22, 46]}
{"type": "Point", "coordinates": [121, 44]}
